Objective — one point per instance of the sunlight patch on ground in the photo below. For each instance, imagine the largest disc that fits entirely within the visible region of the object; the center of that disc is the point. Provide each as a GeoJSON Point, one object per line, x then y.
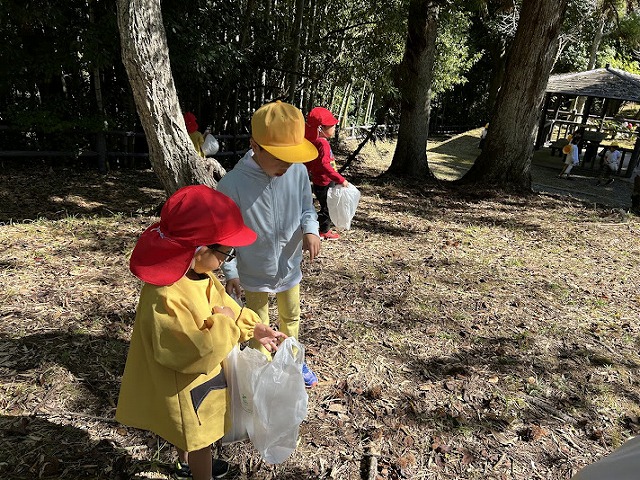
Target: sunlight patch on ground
{"type": "Point", "coordinates": [75, 200]}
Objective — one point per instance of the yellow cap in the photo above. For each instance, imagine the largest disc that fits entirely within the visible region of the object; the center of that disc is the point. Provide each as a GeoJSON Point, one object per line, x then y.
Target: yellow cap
{"type": "Point", "coordinates": [278, 127]}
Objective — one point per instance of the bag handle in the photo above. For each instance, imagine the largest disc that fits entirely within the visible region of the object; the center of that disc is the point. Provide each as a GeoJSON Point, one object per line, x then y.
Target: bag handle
{"type": "Point", "coordinates": [289, 352]}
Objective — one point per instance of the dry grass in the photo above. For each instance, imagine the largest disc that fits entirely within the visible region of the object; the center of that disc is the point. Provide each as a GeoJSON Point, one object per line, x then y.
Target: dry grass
{"type": "Point", "coordinates": [456, 334]}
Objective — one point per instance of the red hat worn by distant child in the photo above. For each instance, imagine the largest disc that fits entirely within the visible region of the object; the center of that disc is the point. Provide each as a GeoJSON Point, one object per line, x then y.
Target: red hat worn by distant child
{"type": "Point", "coordinates": [190, 122]}
{"type": "Point", "coordinates": [319, 116]}
{"type": "Point", "coordinates": [192, 217]}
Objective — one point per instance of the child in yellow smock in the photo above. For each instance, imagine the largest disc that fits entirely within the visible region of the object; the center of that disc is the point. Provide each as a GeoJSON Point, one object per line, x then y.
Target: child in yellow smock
{"type": "Point", "coordinates": [186, 324]}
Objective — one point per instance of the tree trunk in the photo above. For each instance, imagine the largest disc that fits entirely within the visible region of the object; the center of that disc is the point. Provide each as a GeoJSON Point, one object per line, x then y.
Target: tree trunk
{"type": "Point", "coordinates": [145, 56]}
{"type": "Point", "coordinates": [498, 58]}
{"type": "Point", "coordinates": [414, 81]}
{"type": "Point", "coordinates": [295, 50]}
{"type": "Point", "coordinates": [101, 138]}
{"type": "Point", "coordinates": [593, 55]}
{"type": "Point", "coordinates": [505, 160]}
{"type": "Point", "coordinates": [595, 43]}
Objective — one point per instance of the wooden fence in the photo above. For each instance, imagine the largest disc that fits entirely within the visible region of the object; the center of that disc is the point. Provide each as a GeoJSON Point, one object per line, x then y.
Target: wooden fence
{"type": "Point", "coordinates": [126, 149]}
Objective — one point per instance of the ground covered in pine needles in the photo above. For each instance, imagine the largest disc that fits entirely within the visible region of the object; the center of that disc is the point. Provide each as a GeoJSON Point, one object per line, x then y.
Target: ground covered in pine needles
{"type": "Point", "coordinates": [456, 334]}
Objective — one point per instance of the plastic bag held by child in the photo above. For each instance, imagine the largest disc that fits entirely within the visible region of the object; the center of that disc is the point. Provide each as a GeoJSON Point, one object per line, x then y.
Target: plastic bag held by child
{"type": "Point", "coordinates": [249, 365]}
{"type": "Point", "coordinates": [235, 419]}
{"type": "Point", "coordinates": [279, 401]}
{"type": "Point", "coordinates": [210, 146]}
{"type": "Point", "coordinates": [342, 203]}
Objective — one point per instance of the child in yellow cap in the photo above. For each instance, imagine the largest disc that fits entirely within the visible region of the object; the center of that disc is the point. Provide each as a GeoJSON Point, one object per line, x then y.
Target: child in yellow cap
{"type": "Point", "coordinates": [186, 324]}
{"type": "Point", "coordinates": [571, 158]}
{"type": "Point", "coordinates": [271, 186]}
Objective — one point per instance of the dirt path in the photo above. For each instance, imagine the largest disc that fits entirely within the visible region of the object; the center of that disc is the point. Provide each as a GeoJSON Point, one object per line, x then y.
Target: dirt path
{"type": "Point", "coordinates": [545, 169]}
{"type": "Point", "coordinates": [451, 157]}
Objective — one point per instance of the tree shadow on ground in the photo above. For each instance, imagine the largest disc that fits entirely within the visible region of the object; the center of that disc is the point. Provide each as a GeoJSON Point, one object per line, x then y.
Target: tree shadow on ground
{"type": "Point", "coordinates": [465, 206]}
{"type": "Point", "coordinates": [427, 201]}
{"type": "Point", "coordinates": [29, 195]}
{"type": "Point", "coordinates": [508, 358]}
{"type": "Point", "coordinates": [95, 361]}
{"type": "Point", "coordinates": [32, 447]}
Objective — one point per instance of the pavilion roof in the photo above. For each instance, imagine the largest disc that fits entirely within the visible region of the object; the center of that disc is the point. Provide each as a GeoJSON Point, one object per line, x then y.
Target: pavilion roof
{"type": "Point", "coordinates": [605, 82]}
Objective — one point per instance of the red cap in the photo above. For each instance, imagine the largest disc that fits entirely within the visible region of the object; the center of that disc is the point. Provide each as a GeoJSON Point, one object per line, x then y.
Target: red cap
{"type": "Point", "coordinates": [317, 117]}
{"type": "Point", "coordinates": [190, 122]}
{"type": "Point", "coordinates": [192, 217]}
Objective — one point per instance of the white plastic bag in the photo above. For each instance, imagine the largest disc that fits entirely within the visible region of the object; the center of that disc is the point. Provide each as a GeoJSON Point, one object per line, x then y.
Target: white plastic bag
{"type": "Point", "coordinates": [235, 427]}
{"type": "Point", "coordinates": [279, 403]}
{"type": "Point", "coordinates": [342, 204]}
{"type": "Point", "coordinates": [250, 363]}
{"type": "Point", "coordinates": [210, 146]}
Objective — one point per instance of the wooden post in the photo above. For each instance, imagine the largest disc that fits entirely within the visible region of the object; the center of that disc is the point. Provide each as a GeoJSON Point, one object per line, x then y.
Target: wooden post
{"type": "Point", "coordinates": [633, 161]}
{"type": "Point", "coordinates": [541, 137]}
{"type": "Point", "coordinates": [587, 110]}
{"type": "Point", "coordinates": [603, 114]}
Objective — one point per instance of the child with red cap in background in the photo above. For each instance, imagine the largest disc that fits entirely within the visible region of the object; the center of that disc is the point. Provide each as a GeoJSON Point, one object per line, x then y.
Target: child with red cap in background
{"type": "Point", "coordinates": [192, 129]}
{"type": "Point", "coordinates": [271, 187]}
{"type": "Point", "coordinates": [186, 324]}
{"type": "Point", "coordinates": [320, 126]}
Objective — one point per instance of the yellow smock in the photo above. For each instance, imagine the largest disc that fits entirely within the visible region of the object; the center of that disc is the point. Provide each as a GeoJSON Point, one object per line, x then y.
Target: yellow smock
{"type": "Point", "coordinates": [173, 383]}
{"type": "Point", "coordinates": [198, 140]}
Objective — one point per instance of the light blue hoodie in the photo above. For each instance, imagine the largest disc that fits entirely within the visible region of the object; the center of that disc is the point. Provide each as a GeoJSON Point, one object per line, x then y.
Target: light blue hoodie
{"type": "Point", "coordinates": [279, 210]}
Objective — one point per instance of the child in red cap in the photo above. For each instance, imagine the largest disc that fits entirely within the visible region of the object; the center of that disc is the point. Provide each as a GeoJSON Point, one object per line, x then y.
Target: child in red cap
{"type": "Point", "coordinates": [321, 126]}
{"type": "Point", "coordinates": [196, 137]}
{"type": "Point", "coordinates": [186, 324]}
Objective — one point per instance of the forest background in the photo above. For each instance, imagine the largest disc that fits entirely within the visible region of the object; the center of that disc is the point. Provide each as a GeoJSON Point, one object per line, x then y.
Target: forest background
{"type": "Point", "coordinates": [62, 81]}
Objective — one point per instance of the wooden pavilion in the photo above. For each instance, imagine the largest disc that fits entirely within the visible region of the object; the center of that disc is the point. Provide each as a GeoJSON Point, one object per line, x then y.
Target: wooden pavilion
{"type": "Point", "coordinates": [606, 87]}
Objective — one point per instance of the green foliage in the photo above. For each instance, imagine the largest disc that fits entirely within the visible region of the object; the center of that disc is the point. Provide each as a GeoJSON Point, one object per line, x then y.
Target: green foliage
{"type": "Point", "coordinates": [620, 41]}
{"type": "Point", "coordinates": [227, 59]}
{"type": "Point", "coordinates": [454, 53]}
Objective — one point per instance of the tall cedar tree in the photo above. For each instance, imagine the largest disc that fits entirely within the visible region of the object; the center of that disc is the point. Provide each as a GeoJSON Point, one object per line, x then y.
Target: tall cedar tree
{"type": "Point", "coordinates": [146, 58]}
{"type": "Point", "coordinates": [414, 80]}
{"type": "Point", "coordinates": [505, 160]}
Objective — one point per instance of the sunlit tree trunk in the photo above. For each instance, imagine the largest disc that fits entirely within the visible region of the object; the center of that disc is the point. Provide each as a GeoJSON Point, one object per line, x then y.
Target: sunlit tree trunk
{"type": "Point", "coordinates": [593, 56]}
{"type": "Point", "coordinates": [146, 59]}
{"type": "Point", "coordinates": [505, 160]}
{"type": "Point", "coordinates": [414, 81]}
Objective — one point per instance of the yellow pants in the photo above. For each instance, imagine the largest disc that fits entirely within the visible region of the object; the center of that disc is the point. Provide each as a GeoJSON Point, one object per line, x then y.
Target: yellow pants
{"type": "Point", "coordinates": [288, 312]}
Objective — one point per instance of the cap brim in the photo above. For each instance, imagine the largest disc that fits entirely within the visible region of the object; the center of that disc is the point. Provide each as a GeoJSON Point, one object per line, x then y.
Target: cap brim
{"type": "Point", "coordinates": [243, 237]}
{"type": "Point", "coordinates": [305, 152]}
{"type": "Point", "coordinates": [159, 261]}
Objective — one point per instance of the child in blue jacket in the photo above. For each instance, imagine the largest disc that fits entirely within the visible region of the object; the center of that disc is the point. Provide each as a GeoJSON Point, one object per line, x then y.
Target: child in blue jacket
{"type": "Point", "coordinates": [271, 186]}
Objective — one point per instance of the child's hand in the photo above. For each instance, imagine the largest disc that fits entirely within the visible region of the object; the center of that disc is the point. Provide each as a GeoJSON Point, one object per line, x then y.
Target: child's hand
{"type": "Point", "coordinates": [268, 338]}
{"type": "Point", "coordinates": [233, 287]}
{"type": "Point", "coordinates": [345, 184]}
{"type": "Point", "coordinates": [208, 323]}
{"type": "Point", "coordinates": [311, 243]}
{"type": "Point", "coordinates": [224, 311]}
